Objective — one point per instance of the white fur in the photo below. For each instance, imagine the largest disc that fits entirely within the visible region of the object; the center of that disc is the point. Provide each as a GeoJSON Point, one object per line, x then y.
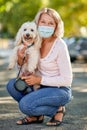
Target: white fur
{"type": "Point", "coordinates": [29, 28]}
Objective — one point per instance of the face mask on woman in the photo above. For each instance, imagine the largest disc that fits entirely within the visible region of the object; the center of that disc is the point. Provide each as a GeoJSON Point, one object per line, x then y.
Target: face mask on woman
{"type": "Point", "coordinates": [45, 31]}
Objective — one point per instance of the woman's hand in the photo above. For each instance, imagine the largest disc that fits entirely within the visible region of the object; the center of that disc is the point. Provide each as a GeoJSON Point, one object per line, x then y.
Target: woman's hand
{"type": "Point", "coordinates": [20, 54]}
{"type": "Point", "coordinates": [32, 79]}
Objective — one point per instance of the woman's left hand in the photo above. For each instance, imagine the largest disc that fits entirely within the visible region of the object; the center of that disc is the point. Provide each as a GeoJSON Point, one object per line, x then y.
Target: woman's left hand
{"type": "Point", "coordinates": [32, 79]}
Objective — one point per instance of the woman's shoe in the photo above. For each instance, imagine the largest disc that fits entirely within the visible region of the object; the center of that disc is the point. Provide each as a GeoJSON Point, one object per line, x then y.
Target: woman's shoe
{"type": "Point", "coordinates": [55, 122]}
{"type": "Point", "coordinates": [30, 120]}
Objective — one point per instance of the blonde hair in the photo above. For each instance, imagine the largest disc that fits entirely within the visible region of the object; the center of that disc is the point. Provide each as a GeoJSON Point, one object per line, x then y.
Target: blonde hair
{"type": "Point", "coordinates": [59, 31]}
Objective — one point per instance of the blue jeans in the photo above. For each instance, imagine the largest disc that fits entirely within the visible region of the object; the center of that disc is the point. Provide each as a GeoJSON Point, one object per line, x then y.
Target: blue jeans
{"type": "Point", "coordinates": [44, 101]}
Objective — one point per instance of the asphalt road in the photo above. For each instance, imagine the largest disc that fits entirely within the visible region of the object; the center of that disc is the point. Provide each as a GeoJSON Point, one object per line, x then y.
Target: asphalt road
{"type": "Point", "coordinates": [76, 110]}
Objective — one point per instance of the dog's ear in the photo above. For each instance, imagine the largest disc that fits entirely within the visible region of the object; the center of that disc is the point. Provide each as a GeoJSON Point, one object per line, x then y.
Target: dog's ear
{"type": "Point", "coordinates": [18, 38]}
{"type": "Point", "coordinates": [38, 41]}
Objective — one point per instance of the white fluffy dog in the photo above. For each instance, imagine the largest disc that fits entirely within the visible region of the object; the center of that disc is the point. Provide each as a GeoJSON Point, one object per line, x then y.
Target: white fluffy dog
{"type": "Point", "coordinates": [28, 36]}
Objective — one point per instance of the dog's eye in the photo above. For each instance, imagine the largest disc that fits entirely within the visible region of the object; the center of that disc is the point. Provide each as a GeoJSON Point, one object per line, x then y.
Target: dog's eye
{"type": "Point", "coordinates": [25, 29]}
{"type": "Point", "coordinates": [32, 30]}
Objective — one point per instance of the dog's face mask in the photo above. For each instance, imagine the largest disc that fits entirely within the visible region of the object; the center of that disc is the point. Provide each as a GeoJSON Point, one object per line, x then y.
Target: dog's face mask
{"type": "Point", "coordinates": [28, 32]}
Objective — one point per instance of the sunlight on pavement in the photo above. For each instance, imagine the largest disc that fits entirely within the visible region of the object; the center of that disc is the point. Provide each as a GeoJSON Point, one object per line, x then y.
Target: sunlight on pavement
{"type": "Point", "coordinates": [6, 100]}
{"type": "Point", "coordinates": [9, 115]}
{"type": "Point", "coordinates": [3, 61]}
{"type": "Point", "coordinates": [79, 70]}
{"type": "Point", "coordinates": [79, 89]}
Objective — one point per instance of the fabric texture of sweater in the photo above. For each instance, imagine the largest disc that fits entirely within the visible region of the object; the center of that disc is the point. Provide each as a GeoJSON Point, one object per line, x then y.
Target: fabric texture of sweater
{"type": "Point", "coordinates": [55, 68]}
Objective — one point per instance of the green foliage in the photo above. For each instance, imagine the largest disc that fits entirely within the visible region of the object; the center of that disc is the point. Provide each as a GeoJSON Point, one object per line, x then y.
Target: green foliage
{"type": "Point", "coordinates": [73, 13]}
{"type": "Point", "coordinates": [13, 13]}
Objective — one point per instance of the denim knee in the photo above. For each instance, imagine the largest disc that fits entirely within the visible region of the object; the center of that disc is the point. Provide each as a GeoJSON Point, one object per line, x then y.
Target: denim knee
{"type": "Point", "coordinates": [12, 91]}
{"type": "Point", "coordinates": [23, 107]}
{"type": "Point", "coordinates": [10, 85]}
{"type": "Point", "coordinates": [26, 108]}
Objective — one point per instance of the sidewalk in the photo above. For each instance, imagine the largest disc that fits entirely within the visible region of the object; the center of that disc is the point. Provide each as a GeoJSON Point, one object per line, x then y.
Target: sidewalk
{"type": "Point", "coordinates": [76, 110]}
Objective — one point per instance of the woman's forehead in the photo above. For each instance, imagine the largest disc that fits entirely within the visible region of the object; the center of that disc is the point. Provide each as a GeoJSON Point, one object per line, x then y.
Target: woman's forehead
{"type": "Point", "coordinates": [46, 16]}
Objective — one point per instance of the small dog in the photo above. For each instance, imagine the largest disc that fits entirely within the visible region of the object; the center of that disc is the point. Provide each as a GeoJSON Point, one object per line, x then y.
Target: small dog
{"type": "Point", "coordinates": [27, 36]}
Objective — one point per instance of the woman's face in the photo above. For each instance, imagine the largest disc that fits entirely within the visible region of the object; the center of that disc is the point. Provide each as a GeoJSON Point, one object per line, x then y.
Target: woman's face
{"type": "Point", "coordinates": [46, 20]}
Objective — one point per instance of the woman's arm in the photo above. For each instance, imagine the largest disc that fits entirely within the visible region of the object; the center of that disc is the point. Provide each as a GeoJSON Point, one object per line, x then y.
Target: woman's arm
{"type": "Point", "coordinates": [20, 54]}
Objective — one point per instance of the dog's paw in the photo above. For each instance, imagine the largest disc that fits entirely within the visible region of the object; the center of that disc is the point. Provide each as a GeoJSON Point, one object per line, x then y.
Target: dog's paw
{"type": "Point", "coordinates": [9, 68]}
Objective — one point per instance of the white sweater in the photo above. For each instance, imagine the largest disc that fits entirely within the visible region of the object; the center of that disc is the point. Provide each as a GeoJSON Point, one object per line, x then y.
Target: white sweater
{"type": "Point", "coordinates": [55, 69]}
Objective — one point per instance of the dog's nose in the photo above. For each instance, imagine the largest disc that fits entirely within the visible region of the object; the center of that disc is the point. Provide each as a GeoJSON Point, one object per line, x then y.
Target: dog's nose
{"type": "Point", "coordinates": [27, 35]}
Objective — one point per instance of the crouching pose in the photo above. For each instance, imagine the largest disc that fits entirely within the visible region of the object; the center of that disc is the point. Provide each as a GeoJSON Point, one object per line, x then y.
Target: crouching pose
{"type": "Point", "coordinates": [55, 74]}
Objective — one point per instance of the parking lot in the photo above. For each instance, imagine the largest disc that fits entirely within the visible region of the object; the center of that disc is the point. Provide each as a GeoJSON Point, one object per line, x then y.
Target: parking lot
{"type": "Point", "coordinates": [77, 48]}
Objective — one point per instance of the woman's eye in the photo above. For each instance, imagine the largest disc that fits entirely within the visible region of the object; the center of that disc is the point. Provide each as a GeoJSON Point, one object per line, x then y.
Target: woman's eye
{"type": "Point", "coordinates": [32, 30]}
{"type": "Point", "coordinates": [25, 29]}
{"type": "Point", "coordinates": [42, 22]}
{"type": "Point", "coordinates": [51, 23]}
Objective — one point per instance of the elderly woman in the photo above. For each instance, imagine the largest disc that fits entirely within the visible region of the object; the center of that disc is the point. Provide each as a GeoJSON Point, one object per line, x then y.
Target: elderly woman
{"type": "Point", "coordinates": [55, 74]}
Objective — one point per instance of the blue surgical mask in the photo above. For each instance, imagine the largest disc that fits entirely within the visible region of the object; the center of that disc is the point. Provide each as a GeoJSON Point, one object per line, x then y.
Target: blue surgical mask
{"type": "Point", "coordinates": [45, 31]}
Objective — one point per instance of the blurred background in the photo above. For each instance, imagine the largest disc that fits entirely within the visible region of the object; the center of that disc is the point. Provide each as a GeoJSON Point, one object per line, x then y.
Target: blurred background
{"type": "Point", "coordinates": [13, 13]}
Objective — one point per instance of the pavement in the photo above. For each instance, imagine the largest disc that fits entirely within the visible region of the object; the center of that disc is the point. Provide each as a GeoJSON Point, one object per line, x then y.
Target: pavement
{"type": "Point", "coordinates": [76, 110]}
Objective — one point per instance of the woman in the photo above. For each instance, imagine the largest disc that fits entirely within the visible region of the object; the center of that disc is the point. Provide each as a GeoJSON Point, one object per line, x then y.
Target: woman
{"type": "Point", "coordinates": [55, 74]}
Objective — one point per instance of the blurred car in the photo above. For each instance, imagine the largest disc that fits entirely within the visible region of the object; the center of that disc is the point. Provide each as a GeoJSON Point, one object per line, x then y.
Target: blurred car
{"type": "Point", "coordinates": [82, 48]}
{"type": "Point", "coordinates": [72, 43]}
{"type": "Point", "coordinates": [77, 48]}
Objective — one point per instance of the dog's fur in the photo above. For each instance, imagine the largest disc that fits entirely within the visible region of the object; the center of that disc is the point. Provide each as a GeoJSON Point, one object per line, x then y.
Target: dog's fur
{"type": "Point", "coordinates": [27, 34]}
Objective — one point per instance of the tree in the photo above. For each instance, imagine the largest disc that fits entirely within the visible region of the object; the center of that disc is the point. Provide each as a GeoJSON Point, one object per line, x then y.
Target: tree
{"type": "Point", "coordinates": [74, 14]}
{"type": "Point", "coordinates": [13, 13]}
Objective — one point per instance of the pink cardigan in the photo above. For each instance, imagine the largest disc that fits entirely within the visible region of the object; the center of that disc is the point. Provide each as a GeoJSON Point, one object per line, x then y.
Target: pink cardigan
{"type": "Point", "coordinates": [55, 69]}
